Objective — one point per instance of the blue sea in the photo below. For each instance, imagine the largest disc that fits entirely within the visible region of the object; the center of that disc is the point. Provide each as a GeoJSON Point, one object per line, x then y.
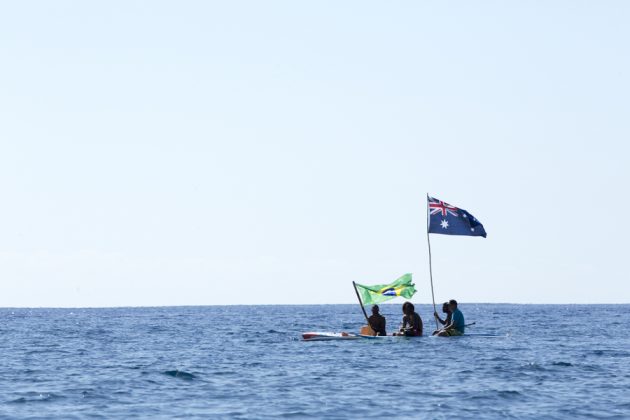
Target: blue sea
{"type": "Point", "coordinates": [540, 361]}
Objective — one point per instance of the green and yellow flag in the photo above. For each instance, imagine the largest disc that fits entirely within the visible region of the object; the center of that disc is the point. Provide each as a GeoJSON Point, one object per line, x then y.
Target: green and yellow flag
{"type": "Point", "coordinates": [384, 292]}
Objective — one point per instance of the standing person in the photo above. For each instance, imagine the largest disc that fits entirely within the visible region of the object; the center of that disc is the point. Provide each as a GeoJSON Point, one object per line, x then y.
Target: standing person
{"type": "Point", "coordinates": [377, 321]}
{"type": "Point", "coordinates": [412, 323]}
{"type": "Point", "coordinates": [457, 324]}
{"type": "Point", "coordinates": [447, 320]}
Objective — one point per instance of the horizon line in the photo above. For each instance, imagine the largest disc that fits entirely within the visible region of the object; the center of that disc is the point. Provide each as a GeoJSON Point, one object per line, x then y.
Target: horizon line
{"type": "Point", "coordinates": [299, 304]}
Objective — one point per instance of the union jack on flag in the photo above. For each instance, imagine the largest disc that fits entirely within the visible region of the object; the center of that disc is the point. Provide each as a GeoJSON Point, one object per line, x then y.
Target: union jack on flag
{"type": "Point", "coordinates": [450, 220]}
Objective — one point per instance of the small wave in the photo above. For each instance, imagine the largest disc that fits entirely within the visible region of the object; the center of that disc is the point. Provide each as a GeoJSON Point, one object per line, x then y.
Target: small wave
{"type": "Point", "coordinates": [562, 364]}
{"type": "Point", "coordinates": [157, 328]}
{"type": "Point", "coordinates": [506, 393]}
{"type": "Point", "coordinates": [34, 397]}
{"type": "Point", "coordinates": [491, 395]}
{"type": "Point", "coordinates": [180, 374]}
{"type": "Point", "coordinates": [533, 366]}
{"type": "Point", "coordinates": [499, 359]}
{"type": "Point", "coordinates": [297, 413]}
{"type": "Point", "coordinates": [253, 364]}
{"type": "Point", "coordinates": [611, 353]}
{"type": "Point", "coordinates": [96, 332]}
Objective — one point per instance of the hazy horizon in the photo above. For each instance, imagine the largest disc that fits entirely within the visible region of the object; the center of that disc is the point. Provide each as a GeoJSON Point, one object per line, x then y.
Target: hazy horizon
{"type": "Point", "coordinates": [308, 304]}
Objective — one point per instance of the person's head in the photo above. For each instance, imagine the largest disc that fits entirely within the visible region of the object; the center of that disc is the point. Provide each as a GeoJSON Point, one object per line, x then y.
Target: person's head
{"type": "Point", "coordinates": [408, 308]}
{"type": "Point", "coordinates": [375, 309]}
{"type": "Point", "coordinates": [452, 304]}
{"type": "Point", "coordinates": [445, 308]}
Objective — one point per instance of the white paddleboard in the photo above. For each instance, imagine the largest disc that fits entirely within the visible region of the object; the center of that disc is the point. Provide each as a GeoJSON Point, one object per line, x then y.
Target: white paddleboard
{"type": "Point", "coordinates": [328, 336]}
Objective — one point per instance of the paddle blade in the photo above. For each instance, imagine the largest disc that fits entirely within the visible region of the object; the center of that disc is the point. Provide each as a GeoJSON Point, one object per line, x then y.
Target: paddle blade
{"type": "Point", "coordinates": [367, 330]}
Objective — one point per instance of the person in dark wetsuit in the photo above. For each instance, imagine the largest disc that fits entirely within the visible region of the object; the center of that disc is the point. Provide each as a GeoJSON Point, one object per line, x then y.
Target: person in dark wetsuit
{"type": "Point", "coordinates": [412, 323]}
{"type": "Point", "coordinates": [447, 320]}
{"type": "Point", "coordinates": [377, 321]}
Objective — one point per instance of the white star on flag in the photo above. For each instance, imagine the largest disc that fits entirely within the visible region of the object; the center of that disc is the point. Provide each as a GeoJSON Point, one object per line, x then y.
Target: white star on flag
{"type": "Point", "coordinates": [444, 224]}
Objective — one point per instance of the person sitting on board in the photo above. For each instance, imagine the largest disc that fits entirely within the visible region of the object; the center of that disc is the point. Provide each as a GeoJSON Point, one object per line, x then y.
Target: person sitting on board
{"type": "Point", "coordinates": [377, 322]}
{"type": "Point", "coordinates": [457, 324]}
{"type": "Point", "coordinates": [446, 320]}
{"type": "Point", "coordinates": [412, 323]}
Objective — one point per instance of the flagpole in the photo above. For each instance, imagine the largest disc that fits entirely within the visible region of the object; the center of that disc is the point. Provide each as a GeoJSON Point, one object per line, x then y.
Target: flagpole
{"type": "Point", "coordinates": [430, 268]}
{"type": "Point", "coordinates": [361, 303]}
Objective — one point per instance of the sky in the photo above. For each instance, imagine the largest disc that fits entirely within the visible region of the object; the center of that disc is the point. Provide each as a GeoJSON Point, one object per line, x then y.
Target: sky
{"type": "Point", "coordinates": [215, 152]}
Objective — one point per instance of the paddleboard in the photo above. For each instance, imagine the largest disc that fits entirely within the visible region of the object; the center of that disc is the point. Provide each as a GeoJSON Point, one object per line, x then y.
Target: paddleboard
{"type": "Point", "coordinates": [329, 336]}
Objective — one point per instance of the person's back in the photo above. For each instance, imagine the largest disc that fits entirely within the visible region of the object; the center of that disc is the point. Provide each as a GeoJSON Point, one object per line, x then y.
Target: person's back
{"type": "Point", "coordinates": [412, 323]}
{"type": "Point", "coordinates": [377, 321]}
{"type": "Point", "coordinates": [458, 320]}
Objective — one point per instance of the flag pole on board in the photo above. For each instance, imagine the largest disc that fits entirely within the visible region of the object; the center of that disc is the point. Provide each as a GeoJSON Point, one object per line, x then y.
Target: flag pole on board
{"type": "Point", "coordinates": [361, 303]}
{"type": "Point", "coordinates": [449, 220]}
{"type": "Point", "coordinates": [430, 268]}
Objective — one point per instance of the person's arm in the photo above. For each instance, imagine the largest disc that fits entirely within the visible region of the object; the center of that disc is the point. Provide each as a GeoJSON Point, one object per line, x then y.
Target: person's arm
{"type": "Point", "coordinates": [449, 326]}
{"type": "Point", "coordinates": [435, 314]}
{"type": "Point", "coordinates": [403, 327]}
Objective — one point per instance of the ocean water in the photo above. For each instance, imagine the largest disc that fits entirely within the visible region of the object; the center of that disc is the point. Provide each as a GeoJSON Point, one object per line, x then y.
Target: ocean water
{"type": "Point", "coordinates": [561, 361]}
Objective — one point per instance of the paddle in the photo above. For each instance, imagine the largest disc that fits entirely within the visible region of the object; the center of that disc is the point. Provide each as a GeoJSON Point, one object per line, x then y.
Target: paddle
{"type": "Point", "coordinates": [465, 325]}
{"type": "Point", "coordinates": [366, 330]}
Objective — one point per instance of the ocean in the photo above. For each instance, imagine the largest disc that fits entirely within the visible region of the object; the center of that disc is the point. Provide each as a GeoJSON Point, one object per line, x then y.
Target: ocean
{"type": "Point", "coordinates": [546, 361]}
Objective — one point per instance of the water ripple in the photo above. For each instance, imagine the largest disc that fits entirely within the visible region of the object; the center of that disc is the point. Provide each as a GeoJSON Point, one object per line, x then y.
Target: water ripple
{"type": "Point", "coordinates": [249, 362]}
{"type": "Point", "coordinates": [179, 374]}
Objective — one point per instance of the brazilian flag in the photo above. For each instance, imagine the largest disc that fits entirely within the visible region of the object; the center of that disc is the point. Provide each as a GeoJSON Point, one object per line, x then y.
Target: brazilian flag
{"type": "Point", "coordinates": [384, 292]}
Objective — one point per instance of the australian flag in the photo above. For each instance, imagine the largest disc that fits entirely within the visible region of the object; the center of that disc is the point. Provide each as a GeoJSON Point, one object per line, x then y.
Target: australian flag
{"type": "Point", "coordinates": [449, 220]}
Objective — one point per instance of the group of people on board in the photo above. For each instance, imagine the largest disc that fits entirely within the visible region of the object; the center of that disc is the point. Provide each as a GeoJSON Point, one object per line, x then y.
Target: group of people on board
{"type": "Point", "coordinates": [453, 323]}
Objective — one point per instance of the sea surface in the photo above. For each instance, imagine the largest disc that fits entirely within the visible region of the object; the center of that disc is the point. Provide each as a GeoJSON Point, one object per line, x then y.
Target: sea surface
{"type": "Point", "coordinates": [546, 361]}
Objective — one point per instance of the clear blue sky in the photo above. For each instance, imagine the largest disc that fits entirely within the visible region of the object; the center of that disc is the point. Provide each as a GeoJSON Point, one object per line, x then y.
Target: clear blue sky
{"type": "Point", "coordinates": [169, 153]}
